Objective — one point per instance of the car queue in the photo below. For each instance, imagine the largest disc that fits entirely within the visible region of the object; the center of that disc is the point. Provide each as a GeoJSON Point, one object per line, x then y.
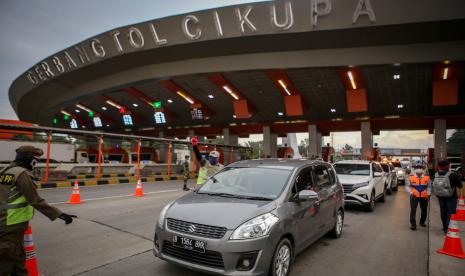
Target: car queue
{"type": "Point", "coordinates": [253, 217]}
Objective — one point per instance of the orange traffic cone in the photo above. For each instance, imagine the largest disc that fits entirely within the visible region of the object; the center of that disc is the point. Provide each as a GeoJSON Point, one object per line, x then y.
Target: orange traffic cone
{"type": "Point", "coordinates": [139, 190]}
{"type": "Point", "coordinates": [460, 213]}
{"type": "Point", "coordinates": [29, 248]}
{"type": "Point", "coordinates": [453, 243]}
{"type": "Point", "coordinates": [75, 196]}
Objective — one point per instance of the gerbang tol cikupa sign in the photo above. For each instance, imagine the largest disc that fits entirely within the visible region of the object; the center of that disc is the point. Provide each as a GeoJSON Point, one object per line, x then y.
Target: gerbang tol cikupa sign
{"type": "Point", "coordinates": [250, 19]}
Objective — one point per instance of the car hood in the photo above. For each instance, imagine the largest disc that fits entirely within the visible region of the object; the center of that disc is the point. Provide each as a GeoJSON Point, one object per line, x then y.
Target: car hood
{"type": "Point", "coordinates": [216, 210]}
{"type": "Point", "coordinates": [352, 179]}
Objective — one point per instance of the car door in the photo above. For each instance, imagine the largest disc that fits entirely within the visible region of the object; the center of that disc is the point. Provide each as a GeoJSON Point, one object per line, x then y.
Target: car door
{"type": "Point", "coordinates": [379, 180]}
{"type": "Point", "coordinates": [306, 214]}
{"type": "Point", "coordinates": [327, 196]}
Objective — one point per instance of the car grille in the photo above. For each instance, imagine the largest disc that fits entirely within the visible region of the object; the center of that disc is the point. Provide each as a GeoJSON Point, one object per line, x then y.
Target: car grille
{"type": "Point", "coordinates": [348, 188]}
{"type": "Point", "coordinates": [200, 230]}
{"type": "Point", "coordinates": [209, 258]}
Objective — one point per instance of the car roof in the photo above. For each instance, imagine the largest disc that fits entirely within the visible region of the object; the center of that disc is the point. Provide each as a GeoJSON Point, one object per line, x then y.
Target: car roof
{"type": "Point", "coordinates": [276, 163]}
{"type": "Point", "coordinates": [366, 162]}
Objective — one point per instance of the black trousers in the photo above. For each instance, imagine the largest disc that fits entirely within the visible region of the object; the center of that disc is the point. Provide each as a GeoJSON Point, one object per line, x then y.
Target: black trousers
{"type": "Point", "coordinates": [448, 207]}
{"type": "Point", "coordinates": [413, 209]}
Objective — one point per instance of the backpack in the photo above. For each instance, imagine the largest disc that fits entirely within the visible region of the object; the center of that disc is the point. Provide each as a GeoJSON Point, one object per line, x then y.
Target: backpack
{"type": "Point", "coordinates": [441, 185]}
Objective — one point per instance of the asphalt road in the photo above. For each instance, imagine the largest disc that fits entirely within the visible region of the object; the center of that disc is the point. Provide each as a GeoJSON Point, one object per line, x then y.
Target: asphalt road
{"type": "Point", "coordinates": [114, 232]}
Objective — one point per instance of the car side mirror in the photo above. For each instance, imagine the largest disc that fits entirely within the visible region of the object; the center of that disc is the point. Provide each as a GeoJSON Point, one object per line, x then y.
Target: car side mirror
{"type": "Point", "coordinates": [377, 174]}
{"type": "Point", "coordinates": [307, 195]}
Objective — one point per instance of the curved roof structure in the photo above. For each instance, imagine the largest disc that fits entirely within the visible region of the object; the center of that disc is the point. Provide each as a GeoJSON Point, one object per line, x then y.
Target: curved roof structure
{"type": "Point", "coordinates": [278, 63]}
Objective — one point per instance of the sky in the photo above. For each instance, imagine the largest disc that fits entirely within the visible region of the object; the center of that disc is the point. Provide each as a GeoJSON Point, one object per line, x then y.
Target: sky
{"type": "Point", "coordinates": [33, 30]}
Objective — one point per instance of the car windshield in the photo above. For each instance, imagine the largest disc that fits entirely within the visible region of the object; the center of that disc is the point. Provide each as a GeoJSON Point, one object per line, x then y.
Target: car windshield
{"type": "Point", "coordinates": [259, 183]}
{"type": "Point", "coordinates": [385, 167]}
{"type": "Point", "coordinates": [396, 164]}
{"type": "Point", "coordinates": [353, 169]}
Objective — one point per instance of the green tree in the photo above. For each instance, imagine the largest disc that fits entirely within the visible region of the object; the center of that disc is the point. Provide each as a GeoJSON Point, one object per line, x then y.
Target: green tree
{"type": "Point", "coordinates": [456, 143]}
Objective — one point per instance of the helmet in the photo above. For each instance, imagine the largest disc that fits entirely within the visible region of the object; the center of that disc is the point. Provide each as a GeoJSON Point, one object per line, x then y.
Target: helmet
{"type": "Point", "coordinates": [214, 153]}
{"type": "Point", "coordinates": [30, 149]}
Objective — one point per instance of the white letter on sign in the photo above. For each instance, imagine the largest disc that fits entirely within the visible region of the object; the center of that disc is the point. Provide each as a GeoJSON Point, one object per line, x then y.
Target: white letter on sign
{"type": "Point", "coordinates": [244, 19]}
{"type": "Point", "coordinates": [367, 11]}
{"type": "Point", "coordinates": [136, 39]}
{"type": "Point", "coordinates": [288, 23]}
{"type": "Point", "coordinates": [185, 27]}
{"type": "Point", "coordinates": [316, 11]}
{"type": "Point", "coordinates": [97, 48]}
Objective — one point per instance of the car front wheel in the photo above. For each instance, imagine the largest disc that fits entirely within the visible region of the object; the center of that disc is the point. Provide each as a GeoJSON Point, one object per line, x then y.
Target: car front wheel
{"type": "Point", "coordinates": [282, 259]}
{"type": "Point", "coordinates": [337, 230]}
{"type": "Point", "coordinates": [371, 205]}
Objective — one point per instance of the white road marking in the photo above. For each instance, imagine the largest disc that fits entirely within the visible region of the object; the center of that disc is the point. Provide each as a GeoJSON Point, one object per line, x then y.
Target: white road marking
{"type": "Point", "coordinates": [110, 197]}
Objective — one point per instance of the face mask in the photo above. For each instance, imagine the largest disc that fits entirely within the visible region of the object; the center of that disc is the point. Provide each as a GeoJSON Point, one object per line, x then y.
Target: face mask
{"type": "Point", "coordinates": [213, 160]}
{"type": "Point", "coordinates": [419, 171]}
{"type": "Point", "coordinates": [33, 163]}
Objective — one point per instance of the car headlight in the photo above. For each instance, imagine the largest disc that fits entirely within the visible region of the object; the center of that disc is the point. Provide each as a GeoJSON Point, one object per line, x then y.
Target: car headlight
{"type": "Point", "coordinates": [161, 218]}
{"type": "Point", "coordinates": [400, 172]}
{"type": "Point", "coordinates": [255, 228]}
{"type": "Point", "coordinates": [359, 185]}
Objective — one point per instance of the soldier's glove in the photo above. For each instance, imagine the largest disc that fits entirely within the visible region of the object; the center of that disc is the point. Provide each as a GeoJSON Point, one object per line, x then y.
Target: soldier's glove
{"type": "Point", "coordinates": [67, 218]}
{"type": "Point", "coordinates": [194, 141]}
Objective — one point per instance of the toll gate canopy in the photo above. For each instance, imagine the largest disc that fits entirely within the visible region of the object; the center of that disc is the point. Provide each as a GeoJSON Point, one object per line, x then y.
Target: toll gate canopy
{"type": "Point", "coordinates": [278, 64]}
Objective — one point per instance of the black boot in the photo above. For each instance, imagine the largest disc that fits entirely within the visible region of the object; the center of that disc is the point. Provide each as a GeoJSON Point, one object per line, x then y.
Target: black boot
{"type": "Point", "coordinates": [413, 227]}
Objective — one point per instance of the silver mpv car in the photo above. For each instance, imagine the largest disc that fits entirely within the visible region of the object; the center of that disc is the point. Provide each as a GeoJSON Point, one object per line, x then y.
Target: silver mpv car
{"type": "Point", "coordinates": [252, 217]}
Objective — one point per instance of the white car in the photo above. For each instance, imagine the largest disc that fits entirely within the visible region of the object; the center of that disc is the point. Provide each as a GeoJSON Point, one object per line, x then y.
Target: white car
{"type": "Point", "coordinates": [364, 182]}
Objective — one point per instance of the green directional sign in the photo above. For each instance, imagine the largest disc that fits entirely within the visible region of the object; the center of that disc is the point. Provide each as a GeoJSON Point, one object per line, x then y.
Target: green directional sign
{"type": "Point", "coordinates": [91, 114]}
{"type": "Point", "coordinates": [157, 104]}
{"type": "Point", "coordinates": [66, 117]}
{"type": "Point", "coordinates": [55, 121]}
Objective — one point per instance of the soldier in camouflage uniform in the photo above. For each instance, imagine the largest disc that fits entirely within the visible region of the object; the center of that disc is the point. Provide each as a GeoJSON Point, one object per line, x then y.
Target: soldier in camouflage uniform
{"type": "Point", "coordinates": [186, 172]}
{"type": "Point", "coordinates": [18, 199]}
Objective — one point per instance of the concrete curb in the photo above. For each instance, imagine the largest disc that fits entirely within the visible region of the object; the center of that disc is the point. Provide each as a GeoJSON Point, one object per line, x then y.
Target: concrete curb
{"type": "Point", "coordinates": [109, 181]}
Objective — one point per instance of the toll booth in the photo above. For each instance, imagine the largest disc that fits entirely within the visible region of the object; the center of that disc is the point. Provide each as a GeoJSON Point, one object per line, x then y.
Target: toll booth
{"type": "Point", "coordinates": [115, 155]}
{"type": "Point", "coordinates": [285, 152]}
{"type": "Point", "coordinates": [86, 155]}
{"type": "Point", "coordinates": [147, 155]}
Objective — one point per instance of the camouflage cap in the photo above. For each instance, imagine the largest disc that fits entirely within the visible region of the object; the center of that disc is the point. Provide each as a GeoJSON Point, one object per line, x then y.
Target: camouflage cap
{"type": "Point", "coordinates": [35, 151]}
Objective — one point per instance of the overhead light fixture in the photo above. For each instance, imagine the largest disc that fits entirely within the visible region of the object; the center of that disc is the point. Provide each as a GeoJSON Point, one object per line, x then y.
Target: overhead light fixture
{"type": "Point", "coordinates": [445, 74]}
{"type": "Point", "coordinates": [397, 64]}
{"type": "Point", "coordinates": [135, 105]}
{"type": "Point", "coordinates": [333, 110]}
{"type": "Point", "coordinates": [280, 114]}
{"type": "Point", "coordinates": [65, 113]}
{"type": "Point", "coordinates": [108, 125]}
{"type": "Point", "coordinates": [352, 81]}
{"type": "Point", "coordinates": [211, 96]}
{"type": "Point", "coordinates": [400, 106]}
{"type": "Point", "coordinates": [83, 126]}
{"type": "Point", "coordinates": [104, 108]}
{"type": "Point", "coordinates": [84, 108]}
{"type": "Point", "coordinates": [392, 117]}
{"type": "Point", "coordinates": [234, 116]}
{"type": "Point", "coordinates": [185, 97]}
{"type": "Point", "coordinates": [170, 101]}
{"type": "Point", "coordinates": [115, 105]}
{"type": "Point", "coordinates": [396, 76]}
{"type": "Point", "coordinates": [446, 61]}
{"type": "Point", "coordinates": [283, 85]}
{"type": "Point", "coordinates": [230, 92]}
{"type": "Point", "coordinates": [77, 111]}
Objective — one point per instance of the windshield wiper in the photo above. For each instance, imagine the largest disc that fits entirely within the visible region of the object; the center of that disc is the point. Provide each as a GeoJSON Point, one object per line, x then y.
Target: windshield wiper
{"type": "Point", "coordinates": [258, 198]}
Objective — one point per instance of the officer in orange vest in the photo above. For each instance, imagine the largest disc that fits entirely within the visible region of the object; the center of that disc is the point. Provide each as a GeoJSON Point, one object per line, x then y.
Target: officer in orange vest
{"type": "Point", "coordinates": [418, 185]}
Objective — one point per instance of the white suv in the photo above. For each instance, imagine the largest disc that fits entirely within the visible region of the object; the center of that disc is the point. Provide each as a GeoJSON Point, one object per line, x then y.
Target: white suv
{"type": "Point", "coordinates": [364, 182]}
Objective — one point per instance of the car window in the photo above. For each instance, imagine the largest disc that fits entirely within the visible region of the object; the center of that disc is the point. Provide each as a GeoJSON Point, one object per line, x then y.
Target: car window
{"type": "Point", "coordinates": [333, 175]}
{"type": "Point", "coordinates": [352, 169]}
{"type": "Point", "coordinates": [262, 182]}
{"type": "Point", "coordinates": [377, 168]}
{"type": "Point", "coordinates": [322, 176]}
{"type": "Point", "coordinates": [303, 181]}
{"type": "Point", "coordinates": [385, 167]}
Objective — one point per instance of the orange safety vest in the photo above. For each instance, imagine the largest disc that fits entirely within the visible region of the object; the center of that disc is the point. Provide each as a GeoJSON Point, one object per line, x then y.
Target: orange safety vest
{"type": "Point", "coordinates": [419, 186]}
